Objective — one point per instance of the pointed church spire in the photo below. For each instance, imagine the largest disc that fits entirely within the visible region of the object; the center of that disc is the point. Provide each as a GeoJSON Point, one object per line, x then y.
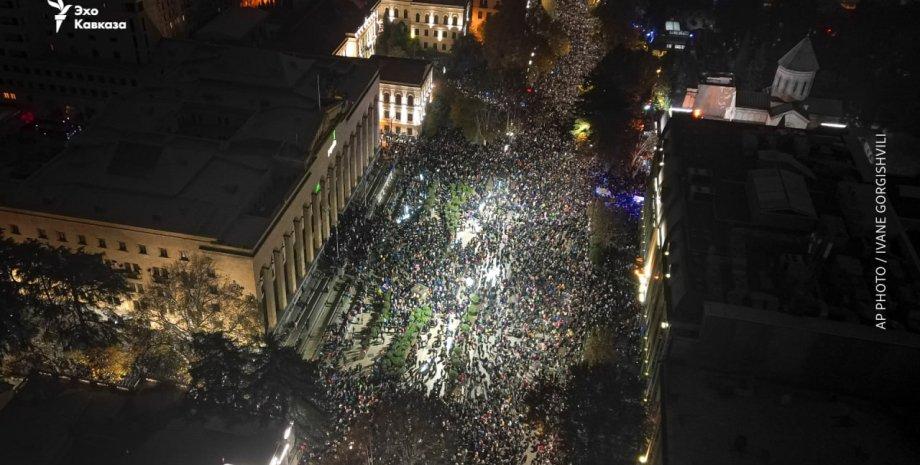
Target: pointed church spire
{"type": "Point", "coordinates": [801, 57]}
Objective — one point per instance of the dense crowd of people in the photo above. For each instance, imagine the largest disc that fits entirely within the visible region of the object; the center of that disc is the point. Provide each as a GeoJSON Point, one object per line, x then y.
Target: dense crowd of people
{"type": "Point", "coordinates": [502, 229]}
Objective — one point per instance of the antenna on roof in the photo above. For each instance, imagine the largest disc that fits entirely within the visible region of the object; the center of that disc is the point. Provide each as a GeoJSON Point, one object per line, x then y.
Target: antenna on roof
{"type": "Point", "coordinates": [319, 97]}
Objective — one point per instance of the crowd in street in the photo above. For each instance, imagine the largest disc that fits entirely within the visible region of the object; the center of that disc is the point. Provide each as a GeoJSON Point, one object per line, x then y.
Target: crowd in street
{"type": "Point", "coordinates": [520, 247]}
{"type": "Point", "coordinates": [504, 228]}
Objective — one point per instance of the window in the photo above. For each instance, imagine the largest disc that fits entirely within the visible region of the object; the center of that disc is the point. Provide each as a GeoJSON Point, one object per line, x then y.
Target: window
{"type": "Point", "coordinates": [479, 14]}
{"type": "Point", "coordinates": [122, 246]}
{"type": "Point", "coordinates": [416, 32]}
{"type": "Point", "coordinates": [42, 234]}
{"type": "Point", "coordinates": [142, 249]}
{"type": "Point", "coordinates": [398, 116]}
{"type": "Point", "coordinates": [183, 255]}
{"type": "Point", "coordinates": [443, 46]}
{"type": "Point", "coordinates": [445, 20]}
{"type": "Point", "coordinates": [386, 97]}
{"type": "Point", "coordinates": [81, 239]}
{"type": "Point", "coordinates": [14, 229]}
{"type": "Point", "coordinates": [409, 117]}
{"type": "Point", "coordinates": [417, 19]}
{"type": "Point", "coordinates": [425, 44]}
{"type": "Point", "coordinates": [102, 243]}
{"type": "Point", "coordinates": [409, 131]}
{"type": "Point", "coordinates": [405, 14]}
{"type": "Point", "coordinates": [399, 99]}
{"type": "Point", "coordinates": [455, 20]}
{"type": "Point", "coordinates": [410, 100]}
{"type": "Point", "coordinates": [427, 18]}
{"type": "Point", "coordinates": [164, 253]}
{"type": "Point", "coordinates": [61, 236]}
{"type": "Point", "coordinates": [386, 114]}
{"type": "Point", "coordinates": [453, 35]}
{"type": "Point", "coordinates": [426, 32]}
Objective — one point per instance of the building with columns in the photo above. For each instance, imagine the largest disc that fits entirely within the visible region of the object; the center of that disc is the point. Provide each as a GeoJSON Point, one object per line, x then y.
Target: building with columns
{"type": "Point", "coordinates": [246, 156]}
{"type": "Point", "coordinates": [406, 88]}
{"type": "Point", "coordinates": [437, 24]}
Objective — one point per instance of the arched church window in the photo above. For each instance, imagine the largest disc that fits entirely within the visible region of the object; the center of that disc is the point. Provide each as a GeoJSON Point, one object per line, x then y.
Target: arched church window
{"type": "Point", "coordinates": [399, 99]}
{"type": "Point", "coordinates": [417, 16]}
{"type": "Point", "coordinates": [455, 20]}
{"type": "Point", "coordinates": [410, 100]}
{"type": "Point", "coordinates": [386, 97]}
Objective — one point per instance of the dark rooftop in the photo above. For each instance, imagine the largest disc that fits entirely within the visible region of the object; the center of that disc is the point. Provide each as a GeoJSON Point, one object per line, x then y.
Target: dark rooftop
{"type": "Point", "coordinates": [63, 421]}
{"type": "Point", "coordinates": [402, 70]}
{"type": "Point", "coordinates": [801, 57]}
{"type": "Point", "coordinates": [209, 148]}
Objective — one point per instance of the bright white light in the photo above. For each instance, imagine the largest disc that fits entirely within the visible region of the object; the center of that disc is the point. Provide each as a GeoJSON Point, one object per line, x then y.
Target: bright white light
{"type": "Point", "coordinates": [507, 147]}
{"type": "Point", "coordinates": [679, 110]}
{"type": "Point", "coordinates": [834, 125]}
{"type": "Point", "coordinates": [468, 281]}
{"type": "Point", "coordinates": [287, 432]}
{"type": "Point", "coordinates": [665, 325]}
{"type": "Point", "coordinates": [643, 458]}
{"type": "Point", "coordinates": [647, 107]}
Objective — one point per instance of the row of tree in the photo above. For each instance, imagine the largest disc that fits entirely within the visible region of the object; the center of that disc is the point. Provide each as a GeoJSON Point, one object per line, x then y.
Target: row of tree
{"type": "Point", "coordinates": [65, 311]}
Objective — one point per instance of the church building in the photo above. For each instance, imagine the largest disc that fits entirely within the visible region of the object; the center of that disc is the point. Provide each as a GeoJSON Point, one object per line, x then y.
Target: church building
{"type": "Point", "coordinates": [787, 102]}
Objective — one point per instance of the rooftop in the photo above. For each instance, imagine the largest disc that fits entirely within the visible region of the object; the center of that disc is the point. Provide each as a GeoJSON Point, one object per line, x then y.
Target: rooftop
{"type": "Point", "coordinates": [776, 219]}
{"type": "Point", "coordinates": [715, 418]}
{"type": "Point", "coordinates": [210, 147]}
{"type": "Point", "coordinates": [57, 420]}
{"type": "Point", "coordinates": [402, 70]}
{"type": "Point", "coordinates": [800, 58]}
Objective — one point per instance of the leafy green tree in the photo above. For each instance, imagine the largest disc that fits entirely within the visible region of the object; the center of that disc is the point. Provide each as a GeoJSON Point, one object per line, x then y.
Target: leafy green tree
{"type": "Point", "coordinates": [193, 298]}
{"type": "Point", "coordinates": [394, 41]}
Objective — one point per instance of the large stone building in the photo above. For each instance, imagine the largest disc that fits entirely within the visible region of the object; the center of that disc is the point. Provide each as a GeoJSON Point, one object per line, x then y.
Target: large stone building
{"type": "Point", "coordinates": [406, 88]}
{"type": "Point", "coordinates": [243, 155]}
{"type": "Point", "coordinates": [787, 102]}
{"type": "Point", "coordinates": [437, 24]}
{"type": "Point", "coordinates": [47, 71]}
{"type": "Point", "coordinates": [757, 286]}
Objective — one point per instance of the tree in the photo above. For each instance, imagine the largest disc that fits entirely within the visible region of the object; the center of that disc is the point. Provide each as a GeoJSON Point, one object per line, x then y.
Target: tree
{"type": "Point", "coordinates": [394, 41]}
{"type": "Point", "coordinates": [193, 298]}
{"type": "Point", "coordinates": [16, 331]}
{"type": "Point", "coordinates": [71, 295]}
{"type": "Point", "coordinates": [269, 380]}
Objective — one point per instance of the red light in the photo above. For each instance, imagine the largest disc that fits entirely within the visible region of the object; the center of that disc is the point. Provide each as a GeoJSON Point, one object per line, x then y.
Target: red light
{"type": "Point", "coordinates": [27, 117]}
{"type": "Point", "coordinates": [530, 90]}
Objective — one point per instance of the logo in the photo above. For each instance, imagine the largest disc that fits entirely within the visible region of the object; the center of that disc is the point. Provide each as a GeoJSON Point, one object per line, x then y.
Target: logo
{"type": "Point", "coordinates": [61, 15]}
{"type": "Point", "coordinates": [79, 22]}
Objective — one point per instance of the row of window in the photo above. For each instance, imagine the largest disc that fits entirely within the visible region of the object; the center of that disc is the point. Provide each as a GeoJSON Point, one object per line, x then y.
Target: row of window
{"type": "Point", "coordinates": [410, 99]}
{"type": "Point", "coordinates": [409, 116]}
{"type": "Point", "coordinates": [429, 18]}
{"type": "Point", "coordinates": [100, 242]}
{"type": "Point", "coordinates": [398, 130]}
{"type": "Point", "coordinates": [71, 90]}
{"type": "Point", "coordinates": [453, 34]}
{"type": "Point", "coordinates": [69, 75]}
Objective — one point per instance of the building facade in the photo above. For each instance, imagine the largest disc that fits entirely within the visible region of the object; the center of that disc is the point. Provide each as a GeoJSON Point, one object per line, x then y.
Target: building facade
{"type": "Point", "coordinates": [250, 168]}
{"type": "Point", "coordinates": [437, 24]}
{"type": "Point", "coordinates": [406, 88]}
{"type": "Point", "coordinates": [45, 70]}
{"type": "Point", "coordinates": [482, 10]}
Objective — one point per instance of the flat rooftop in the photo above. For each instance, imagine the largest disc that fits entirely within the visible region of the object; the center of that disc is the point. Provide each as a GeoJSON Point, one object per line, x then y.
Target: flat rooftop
{"type": "Point", "coordinates": [211, 146]}
{"type": "Point", "coordinates": [715, 418]}
{"type": "Point", "coordinates": [408, 71]}
{"type": "Point", "coordinates": [63, 421]}
{"type": "Point", "coordinates": [775, 219]}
